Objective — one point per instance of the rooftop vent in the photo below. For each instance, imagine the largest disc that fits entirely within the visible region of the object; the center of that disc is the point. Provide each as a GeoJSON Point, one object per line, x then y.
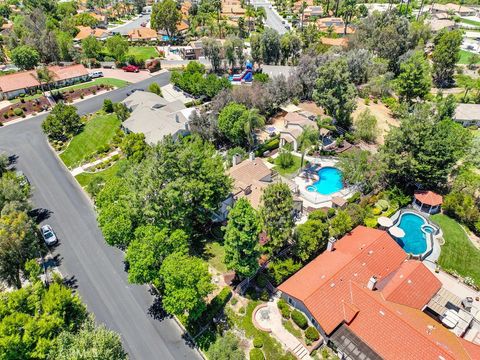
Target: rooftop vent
{"type": "Point", "coordinates": [371, 283]}
{"type": "Point", "coordinates": [331, 244]}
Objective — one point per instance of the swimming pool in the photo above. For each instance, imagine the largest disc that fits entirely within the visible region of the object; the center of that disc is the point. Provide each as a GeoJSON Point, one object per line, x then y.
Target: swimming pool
{"type": "Point", "coordinates": [329, 181]}
{"type": "Point", "coordinates": [415, 228]}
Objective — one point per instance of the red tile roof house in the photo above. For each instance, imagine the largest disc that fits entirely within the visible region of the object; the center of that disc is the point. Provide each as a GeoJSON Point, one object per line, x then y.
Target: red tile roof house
{"type": "Point", "coordinates": [13, 85]}
{"type": "Point", "coordinates": [366, 298]}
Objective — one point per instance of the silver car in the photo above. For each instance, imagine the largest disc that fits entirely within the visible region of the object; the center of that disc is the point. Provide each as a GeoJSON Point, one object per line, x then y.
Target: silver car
{"type": "Point", "coordinates": [48, 235]}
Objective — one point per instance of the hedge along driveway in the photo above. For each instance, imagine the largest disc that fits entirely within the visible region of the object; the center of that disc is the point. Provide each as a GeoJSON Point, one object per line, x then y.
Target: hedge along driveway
{"type": "Point", "coordinates": [98, 132]}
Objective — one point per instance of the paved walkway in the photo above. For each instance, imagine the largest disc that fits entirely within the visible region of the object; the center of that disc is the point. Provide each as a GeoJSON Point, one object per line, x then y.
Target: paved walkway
{"type": "Point", "coordinates": [84, 167]}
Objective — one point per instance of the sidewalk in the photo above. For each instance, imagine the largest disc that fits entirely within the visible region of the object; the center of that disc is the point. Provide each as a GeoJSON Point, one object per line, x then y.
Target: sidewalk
{"type": "Point", "coordinates": [84, 167]}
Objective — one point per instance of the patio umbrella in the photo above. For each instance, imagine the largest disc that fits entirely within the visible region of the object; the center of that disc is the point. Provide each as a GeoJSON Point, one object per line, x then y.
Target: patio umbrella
{"type": "Point", "coordinates": [385, 221]}
{"type": "Point", "coordinates": [396, 231]}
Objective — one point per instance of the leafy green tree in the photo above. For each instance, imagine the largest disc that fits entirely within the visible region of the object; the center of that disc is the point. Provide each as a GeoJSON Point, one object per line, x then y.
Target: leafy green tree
{"type": "Point", "coordinates": [25, 57]}
{"type": "Point", "coordinates": [310, 238]}
{"type": "Point", "coordinates": [185, 287]}
{"type": "Point", "coordinates": [12, 191]}
{"type": "Point", "coordinates": [340, 224]}
{"type": "Point", "coordinates": [155, 88]}
{"type": "Point", "coordinates": [445, 56]}
{"type": "Point", "coordinates": [414, 80]}
{"type": "Point", "coordinates": [226, 347]}
{"type": "Point", "coordinates": [151, 246]}
{"type": "Point", "coordinates": [256, 48]}
{"type": "Point", "coordinates": [62, 122]}
{"type": "Point", "coordinates": [270, 46]}
{"type": "Point", "coordinates": [467, 83]}
{"type": "Point", "coordinates": [334, 91]}
{"type": "Point", "coordinates": [290, 45]}
{"type": "Point", "coordinates": [238, 123]}
{"type": "Point", "coordinates": [423, 150]}
{"type": "Point", "coordinates": [280, 270]}
{"type": "Point", "coordinates": [241, 239]}
{"type": "Point", "coordinates": [462, 206]}
{"type": "Point", "coordinates": [90, 342]}
{"type": "Point", "coordinates": [213, 52]}
{"type": "Point", "coordinates": [117, 45]}
{"type": "Point", "coordinates": [366, 126]}
{"type": "Point", "coordinates": [107, 106]}
{"type": "Point", "coordinates": [18, 244]}
{"type": "Point", "coordinates": [85, 19]}
{"type": "Point", "coordinates": [66, 49]}
{"type": "Point", "coordinates": [122, 111]}
{"type": "Point", "coordinates": [165, 16]}
{"type": "Point", "coordinates": [5, 11]}
{"type": "Point", "coordinates": [277, 214]}
{"type": "Point", "coordinates": [349, 10]}
{"type": "Point", "coordinates": [117, 223]}
{"type": "Point", "coordinates": [446, 106]}
{"type": "Point", "coordinates": [91, 47]}
{"type": "Point", "coordinates": [134, 146]}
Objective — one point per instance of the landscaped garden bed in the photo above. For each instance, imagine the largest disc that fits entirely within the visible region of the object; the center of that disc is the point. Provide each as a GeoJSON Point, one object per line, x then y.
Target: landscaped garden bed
{"type": "Point", "coordinates": [72, 94]}
{"type": "Point", "coordinates": [24, 108]}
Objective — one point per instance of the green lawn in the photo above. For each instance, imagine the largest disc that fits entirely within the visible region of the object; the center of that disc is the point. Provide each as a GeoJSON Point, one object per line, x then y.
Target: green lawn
{"type": "Point", "coordinates": [465, 57]}
{"type": "Point", "coordinates": [86, 178]}
{"type": "Point", "coordinates": [470, 22]}
{"type": "Point", "coordinates": [97, 132]}
{"type": "Point", "coordinates": [27, 98]}
{"type": "Point", "coordinates": [289, 170]}
{"type": "Point", "coordinates": [458, 253]}
{"type": "Point", "coordinates": [106, 81]}
{"type": "Point", "coordinates": [142, 52]}
{"type": "Point", "coordinates": [288, 325]}
{"type": "Point", "coordinates": [215, 254]}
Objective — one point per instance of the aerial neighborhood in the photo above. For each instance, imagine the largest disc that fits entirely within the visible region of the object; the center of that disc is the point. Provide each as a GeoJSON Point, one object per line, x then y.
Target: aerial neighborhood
{"type": "Point", "coordinates": [230, 179]}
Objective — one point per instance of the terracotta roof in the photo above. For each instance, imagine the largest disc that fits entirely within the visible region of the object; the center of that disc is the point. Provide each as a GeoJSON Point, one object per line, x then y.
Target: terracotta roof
{"type": "Point", "coordinates": [20, 80]}
{"type": "Point", "coordinates": [182, 26]}
{"type": "Point", "coordinates": [324, 283]}
{"type": "Point", "coordinates": [68, 72]}
{"type": "Point", "coordinates": [428, 197]}
{"type": "Point", "coordinates": [86, 31]}
{"type": "Point", "coordinates": [342, 41]}
{"type": "Point", "coordinates": [472, 349]}
{"type": "Point", "coordinates": [412, 285]}
{"type": "Point", "coordinates": [142, 33]}
{"type": "Point", "coordinates": [399, 332]}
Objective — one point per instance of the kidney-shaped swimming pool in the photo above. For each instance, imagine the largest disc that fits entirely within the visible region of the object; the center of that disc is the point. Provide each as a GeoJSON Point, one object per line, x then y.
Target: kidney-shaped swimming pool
{"type": "Point", "coordinates": [329, 181]}
{"type": "Point", "coordinates": [416, 229]}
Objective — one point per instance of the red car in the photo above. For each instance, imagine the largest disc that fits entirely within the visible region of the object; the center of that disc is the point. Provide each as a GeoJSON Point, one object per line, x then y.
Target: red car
{"type": "Point", "coordinates": [131, 68]}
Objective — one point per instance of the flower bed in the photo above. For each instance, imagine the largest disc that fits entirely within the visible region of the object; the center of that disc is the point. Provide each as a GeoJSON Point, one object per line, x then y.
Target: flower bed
{"type": "Point", "coordinates": [72, 94]}
{"type": "Point", "coordinates": [23, 108]}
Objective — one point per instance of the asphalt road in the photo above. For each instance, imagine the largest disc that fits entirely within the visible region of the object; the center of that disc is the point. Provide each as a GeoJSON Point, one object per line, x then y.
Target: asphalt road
{"type": "Point", "coordinates": [135, 24]}
{"type": "Point", "coordinates": [274, 20]}
{"type": "Point", "coordinates": [94, 268]}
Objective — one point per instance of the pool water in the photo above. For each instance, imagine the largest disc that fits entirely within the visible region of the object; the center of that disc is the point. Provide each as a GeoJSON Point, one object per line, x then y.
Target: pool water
{"type": "Point", "coordinates": [415, 227]}
{"type": "Point", "coordinates": [329, 181]}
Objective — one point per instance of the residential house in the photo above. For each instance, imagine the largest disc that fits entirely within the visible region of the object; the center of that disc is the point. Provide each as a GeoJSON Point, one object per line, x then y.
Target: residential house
{"type": "Point", "coordinates": [24, 82]}
{"type": "Point", "coordinates": [155, 117]}
{"type": "Point", "coordinates": [335, 25]}
{"type": "Point", "coordinates": [467, 114]}
{"type": "Point", "coordinates": [102, 20]}
{"type": "Point", "coordinates": [232, 9]}
{"type": "Point", "coordinates": [142, 34]}
{"type": "Point", "coordinates": [193, 51]}
{"type": "Point", "coordinates": [366, 297]}
{"type": "Point", "coordinates": [312, 11]}
{"type": "Point", "coordinates": [457, 9]}
{"type": "Point", "coordinates": [86, 31]}
{"type": "Point", "coordinates": [439, 24]}
{"type": "Point", "coordinates": [294, 125]}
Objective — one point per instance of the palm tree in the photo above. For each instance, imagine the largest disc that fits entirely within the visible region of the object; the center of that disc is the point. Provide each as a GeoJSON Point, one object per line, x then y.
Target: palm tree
{"type": "Point", "coordinates": [324, 124]}
{"type": "Point", "coordinates": [306, 140]}
{"type": "Point", "coordinates": [249, 13]}
{"type": "Point", "coordinates": [467, 83]}
{"type": "Point", "coordinates": [45, 77]}
{"type": "Point", "coordinates": [253, 121]}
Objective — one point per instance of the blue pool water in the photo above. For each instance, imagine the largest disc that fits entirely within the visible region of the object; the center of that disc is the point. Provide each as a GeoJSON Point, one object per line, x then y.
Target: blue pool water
{"type": "Point", "coordinates": [415, 227]}
{"type": "Point", "coordinates": [329, 181]}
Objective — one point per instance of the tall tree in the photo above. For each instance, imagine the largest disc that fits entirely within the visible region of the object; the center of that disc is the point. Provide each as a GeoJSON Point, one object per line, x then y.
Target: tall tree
{"type": "Point", "coordinates": [91, 47]}
{"type": "Point", "coordinates": [241, 239]}
{"type": "Point", "coordinates": [213, 52]}
{"type": "Point", "coordinates": [62, 122]}
{"type": "Point", "coordinates": [349, 10]}
{"type": "Point", "coordinates": [256, 48]}
{"type": "Point", "coordinates": [340, 224]}
{"type": "Point", "coordinates": [414, 80]}
{"type": "Point", "coordinates": [445, 56]}
{"type": "Point", "coordinates": [185, 287]}
{"type": "Point", "coordinates": [166, 16]}
{"type": "Point", "coordinates": [270, 45]}
{"type": "Point", "coordinates": [277, 214]}
{"type": "Point", "coordinates": [25, 57]}
{"type": "Point", "coordinates": [226, 347]}
{"type": "Point", "coordinates": [117, 46]}
{"type": "Point", "coordinates": [310, 238]}
{"type": "Point", "coordinates": [307, 139]}
{"type": "Point", "coordinates": [334, 91]}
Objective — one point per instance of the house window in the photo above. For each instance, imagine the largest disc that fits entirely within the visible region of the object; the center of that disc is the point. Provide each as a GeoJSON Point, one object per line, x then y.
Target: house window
{"type": "Point", "coordinates": [291, 301]}
{"type": "Point", "coordinates": [313, 320]}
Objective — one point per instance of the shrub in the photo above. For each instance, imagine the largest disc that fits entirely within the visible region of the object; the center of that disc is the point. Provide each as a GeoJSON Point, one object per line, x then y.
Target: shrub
{"type": "Point", "coordinates": [299, 319]}
{"type": "Point", "coordinates": [257, 342]}
{"type": "Point", "coordinates": [370, 222]}
{"type": "Point", "coordinates": [382, 204]}
{"type": "Point", "coordinates": [286, 312]}
{"type": "Point", "coordinates": [18, 112]}
{"type": "Point", "coordinates": [5, 115]}
{"type": "Point", "coordinates": [285, 159]}
{"type": "Point", "coordinates": [234, 301]}
{"type": "Point", "coordinates": [262, 280]}
{"type": "Point", "coordinates": [312, 334]}
{"type": "Point", "coordinates": [264, 295]}
{"type": "Point", "coordinates": [108, 106]}
{"type": "Point", "coordinates": [256, 354]}
{"type": "Point", "coordinates": [355, 197]}
{"type": "Point", "coordinates": [376, 211]}
{"type": "Point", "coordinates": [331, 213]}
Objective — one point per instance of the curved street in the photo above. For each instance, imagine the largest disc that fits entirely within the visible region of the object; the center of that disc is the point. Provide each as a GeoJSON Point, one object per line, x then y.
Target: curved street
{"type": "Point", "coordinates": [95, 269]}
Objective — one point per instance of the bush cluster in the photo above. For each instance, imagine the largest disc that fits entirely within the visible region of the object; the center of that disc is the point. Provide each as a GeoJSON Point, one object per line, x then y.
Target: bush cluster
{"type": "Point", "coordinates": [257, 342]}
{"type": "Point", "coordinates": [312, 334]}
{"type": "Point", "coordinates": [299, 319]}
{"type": "Point", "coordinates": [284, 308]}
{"type": "Point", "coordinates": [256, 354]}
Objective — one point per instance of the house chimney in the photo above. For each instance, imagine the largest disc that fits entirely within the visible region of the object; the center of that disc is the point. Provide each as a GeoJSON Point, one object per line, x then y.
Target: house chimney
{"type": "Point", "coordinates": [331, 244]}
{"type": "Point", "coordinates": [236, 159]}
{"type": "Point", "coordinates": [371, 283]}
{"type": "Point", "coordinates": [251, 156]}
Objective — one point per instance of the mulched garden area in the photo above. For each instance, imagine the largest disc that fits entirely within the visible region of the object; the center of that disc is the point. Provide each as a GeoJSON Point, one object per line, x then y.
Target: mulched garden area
{"type": "Point", "coordinates": [70, 95]}
{"type": "Point", "coordinates": [23, 108]}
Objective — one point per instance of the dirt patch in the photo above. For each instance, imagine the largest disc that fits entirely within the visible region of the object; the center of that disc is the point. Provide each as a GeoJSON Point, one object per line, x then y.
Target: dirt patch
{"type": "Point", "coordinates": [311, 107]}
{"type": "Point", "coordinates": [385, 119]}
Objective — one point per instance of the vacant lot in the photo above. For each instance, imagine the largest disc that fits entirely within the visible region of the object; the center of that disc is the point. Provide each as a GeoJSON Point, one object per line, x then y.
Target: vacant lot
{"type": "Point", "coordinates": [384, 118]}
{"type": "Point", "coordinates": [98, 132]}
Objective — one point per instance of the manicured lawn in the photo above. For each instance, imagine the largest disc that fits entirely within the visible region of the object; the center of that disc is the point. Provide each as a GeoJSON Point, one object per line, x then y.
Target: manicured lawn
{"type": "Point", "coordinates": [288, 325]}
{"type": "Point", "coordinates": [215, 254]}
{"type": "Point", "coordinates": [465, 57]}
{"type": "Point", "coordinates": [97, 132]}
{"type": "Point", "coordinates": [86, 178]}
{"type": "Point", "coordinates": [27, 98]}
{"type": "Point", "coordinates": [458, 253]}
{"type": "Point", "coordinates": [142, 52]}
{"type": "Point", "coordinates": [289, 170]}
{"type": "Point", "coordinates": [470, 22]}
{"type": "Point", "coordinates": [105, 81]}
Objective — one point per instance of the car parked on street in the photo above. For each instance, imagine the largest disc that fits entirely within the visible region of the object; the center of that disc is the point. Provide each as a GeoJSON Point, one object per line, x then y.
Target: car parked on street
{"type": "Point", "coordinates": [48, 235]}
{"type": "Point", "coordinates": [131, 68]}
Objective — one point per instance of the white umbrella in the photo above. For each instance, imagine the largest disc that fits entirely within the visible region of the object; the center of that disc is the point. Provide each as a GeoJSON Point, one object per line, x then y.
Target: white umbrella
{"type": "Point", "coordinates": [396, 231]}
{"type": "Point", "coordinates": [385, 221]}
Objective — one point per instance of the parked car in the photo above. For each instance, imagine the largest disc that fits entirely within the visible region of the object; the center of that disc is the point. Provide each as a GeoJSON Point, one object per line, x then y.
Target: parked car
{"type": "Point", "coordinates": [131, 68]}
{"type": "Point", "coordinates": [22, 177]}
{"type": "Point", "coordinates": [48, 235]}
{"type": "Point", "coordinates": [96, 74]}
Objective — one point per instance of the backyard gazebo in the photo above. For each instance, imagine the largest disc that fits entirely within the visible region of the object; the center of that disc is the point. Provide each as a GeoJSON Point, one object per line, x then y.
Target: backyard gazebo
{"type": "Point", "coordinates": [427, 201]}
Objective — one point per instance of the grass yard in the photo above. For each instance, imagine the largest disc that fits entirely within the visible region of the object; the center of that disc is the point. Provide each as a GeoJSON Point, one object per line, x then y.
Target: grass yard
{"type": "Point", "coordinates": [27, 98]}
{"type": "Point", "coordinates": [97, 132]}
{"type": "Point", "coordinates": [288, 325]}
{"type": "Point", "coordinates": [470, 22]}
{"type": "Point", "coordinates": [142, 52]}
{"type": "Point", "coordinates": [465, 57]}
{"type": "Point", "coordinates": [215, 255]}
{"type": "Point", "coordinates": [458, 253]}
{"type": "Point", "coordinates": [105, 81]}
{"type": "Point", "coordinates": [86, 178]}
{"type": "Point", "coordinates": [289, 170]}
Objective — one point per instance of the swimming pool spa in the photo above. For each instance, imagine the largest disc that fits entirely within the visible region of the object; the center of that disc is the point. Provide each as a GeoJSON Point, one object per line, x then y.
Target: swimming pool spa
{"type": "Point", "coordinates": [329, 181]}
{"type": "Point", "coordinates": [416, 229]}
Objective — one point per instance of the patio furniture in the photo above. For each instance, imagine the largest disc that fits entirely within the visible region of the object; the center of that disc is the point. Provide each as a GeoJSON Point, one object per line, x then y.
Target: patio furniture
{"type": "Point", "coordinates": [396, 232]}
{"type": "Point", "coordinates": [385, 222]}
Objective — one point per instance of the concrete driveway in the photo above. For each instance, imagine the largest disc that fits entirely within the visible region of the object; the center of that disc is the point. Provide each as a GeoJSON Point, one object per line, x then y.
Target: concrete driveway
{"type": "Point", "coordinates": [127, 76]}
{"type": "Point", "coordinates": [93, 268]}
